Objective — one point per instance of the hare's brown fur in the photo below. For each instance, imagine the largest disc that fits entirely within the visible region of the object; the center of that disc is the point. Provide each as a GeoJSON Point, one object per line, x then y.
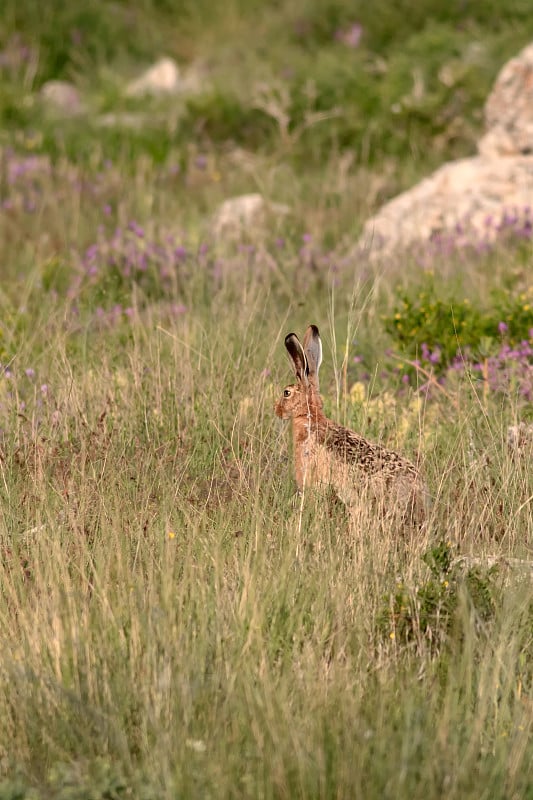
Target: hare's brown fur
{"type": "Point", "coordinates": [326, 453]}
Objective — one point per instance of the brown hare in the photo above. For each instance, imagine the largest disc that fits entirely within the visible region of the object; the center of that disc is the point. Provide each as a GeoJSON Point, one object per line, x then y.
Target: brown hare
{"type": "Point", "coordinates": [326, 453]}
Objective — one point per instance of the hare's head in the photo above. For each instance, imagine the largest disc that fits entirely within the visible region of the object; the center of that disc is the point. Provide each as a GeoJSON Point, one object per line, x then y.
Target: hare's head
{"type": "Point", "coordinates": [301, 397]}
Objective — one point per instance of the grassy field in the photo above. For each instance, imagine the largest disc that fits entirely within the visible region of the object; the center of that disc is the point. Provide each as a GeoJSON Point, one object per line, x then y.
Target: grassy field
{"type": "Point", "coordinates": [170, 627]}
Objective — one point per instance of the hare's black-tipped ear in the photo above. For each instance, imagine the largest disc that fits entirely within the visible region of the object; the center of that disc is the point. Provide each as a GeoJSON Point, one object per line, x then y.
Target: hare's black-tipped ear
{"type": "Point", "coordinates": [297, 354]}
{"type": "Point", "coordinates": [313, 351]}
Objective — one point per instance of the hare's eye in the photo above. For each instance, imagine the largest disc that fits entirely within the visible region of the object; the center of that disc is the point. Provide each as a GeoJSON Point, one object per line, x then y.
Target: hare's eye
{"type": "Point", "coordinates": [287, 393]}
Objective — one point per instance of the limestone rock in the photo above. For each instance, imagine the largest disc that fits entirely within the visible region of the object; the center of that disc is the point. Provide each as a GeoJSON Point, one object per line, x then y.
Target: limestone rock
{"type": "Point", "coordinates": [62, 97]}
{"type": "Point", "coordinates": [124, 119]}
{"type": "Point", "coordinates": [161, 78]}
{"type": "Point", "coordinates": [509, 109]}
{"type": "Point", "coordinates": [474, 193]}
{"type": "Point", "coordinates": [243, 211]}
{"type": "Point", "coordinates": [471, 200]}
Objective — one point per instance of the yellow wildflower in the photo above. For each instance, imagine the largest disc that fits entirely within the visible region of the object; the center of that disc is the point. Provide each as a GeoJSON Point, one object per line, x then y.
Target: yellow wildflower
{"type": "Point", "coordinates": [358, 392]}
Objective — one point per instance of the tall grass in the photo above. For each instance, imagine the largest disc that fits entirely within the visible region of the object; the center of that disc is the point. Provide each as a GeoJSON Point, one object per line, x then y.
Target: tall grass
{"type": "Point", "coordinates": [169, 626]}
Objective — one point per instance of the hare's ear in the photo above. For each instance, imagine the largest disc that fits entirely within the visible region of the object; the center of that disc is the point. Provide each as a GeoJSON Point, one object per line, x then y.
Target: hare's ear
{"type": "Point", "coordinates": [313, 352]}
{"type": "Point", "coordinates": [297, 354]}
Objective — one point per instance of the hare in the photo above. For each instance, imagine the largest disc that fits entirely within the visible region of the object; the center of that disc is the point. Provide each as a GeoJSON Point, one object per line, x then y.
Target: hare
{"type": "Point", "coordinates": [326, 453]}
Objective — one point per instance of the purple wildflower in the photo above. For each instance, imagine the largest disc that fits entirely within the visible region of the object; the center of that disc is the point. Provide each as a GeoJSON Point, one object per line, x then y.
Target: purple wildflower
{"type": "Point", "coordinates": [434, 357]}
{"type": "Point", "coordinates": [137, 230]}
{"type": "Point", "coordinates": [351, 37]}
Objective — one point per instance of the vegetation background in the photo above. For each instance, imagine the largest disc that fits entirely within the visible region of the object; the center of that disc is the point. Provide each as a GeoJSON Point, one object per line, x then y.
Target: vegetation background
{"type": "Point", "coordinates": [169, 627]}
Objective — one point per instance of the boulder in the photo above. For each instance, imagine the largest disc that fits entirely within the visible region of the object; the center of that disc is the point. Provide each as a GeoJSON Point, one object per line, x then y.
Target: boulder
{"type": "Point", "coordinates": [236, 214]}
{"type": "Point", "coordinates": [62, 97]}
{"type": "Point", "coordinates": [469, 199]}
{"type": "Point", "coordinates": [470, 202]}
{"type": "Point", "coordinates": [509, 109]}
{"type": "Point", "coordinates": [161, 78]}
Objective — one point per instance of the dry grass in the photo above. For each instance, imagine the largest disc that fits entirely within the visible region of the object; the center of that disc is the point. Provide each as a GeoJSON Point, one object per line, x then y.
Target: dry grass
{"type": "Point", "coordinates": [167, 625]}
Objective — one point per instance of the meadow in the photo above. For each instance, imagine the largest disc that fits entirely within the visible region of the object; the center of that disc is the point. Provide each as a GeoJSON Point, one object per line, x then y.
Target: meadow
{"type": "Point", "coordinates": [170, 625]}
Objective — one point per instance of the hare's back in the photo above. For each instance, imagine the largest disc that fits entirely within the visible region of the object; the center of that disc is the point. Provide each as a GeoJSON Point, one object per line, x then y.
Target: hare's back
{"type": "Point", "coordinates": [350, 448]}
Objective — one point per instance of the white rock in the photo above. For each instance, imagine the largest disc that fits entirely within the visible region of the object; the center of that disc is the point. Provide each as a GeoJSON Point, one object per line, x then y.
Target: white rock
{"type": "Point", "coordinates": [473, 192]}
{"type": "Point", "coordinates": [509, 109]}
{"type": "Point", "coordinates": [469, 197]}
{"type": "Point", "coordinates": [62, 96]}
{"type": "Point", "coordinates": [161, 78]}
{"type": "Point", "coordinates": [123, 119]}
{"type": "Point", "coordinates": [243, 211]}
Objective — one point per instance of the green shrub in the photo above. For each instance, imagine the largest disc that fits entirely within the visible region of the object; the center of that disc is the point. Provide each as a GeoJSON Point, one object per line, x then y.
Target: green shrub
{"type": "Point", "coordinates": [222, 116]}
{"type": "Point", "coordinates": [427, 613]}
{"type": "Point", "coordinates": [433, 328]}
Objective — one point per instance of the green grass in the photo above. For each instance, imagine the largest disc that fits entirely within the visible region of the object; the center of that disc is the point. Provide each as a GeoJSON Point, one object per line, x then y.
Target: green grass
{"type": "Point", "coordinates": [413, 88]}
{"type": "Point", "coordinates": [173, 623]}
{"type": "Point", "coordinates": [167, 625]}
